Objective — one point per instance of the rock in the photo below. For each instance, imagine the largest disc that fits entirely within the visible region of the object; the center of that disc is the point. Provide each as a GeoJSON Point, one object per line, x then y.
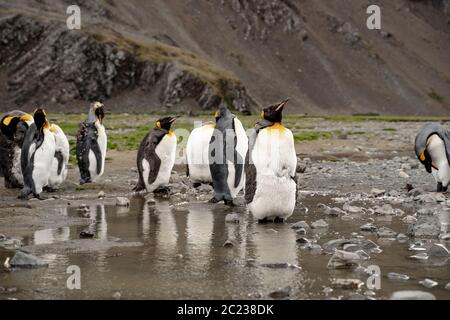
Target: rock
{"type": "Point", "coordinates": [352, 209]}
{"type": "Point", "coordinates": [438, 250]}
{"type": "Point", "coordinates": [430, 198]}
{"type": "Point", "coordinates": [101, 195]}
{"type": "Point", "coordinates": [232, 218]}
{"type": "Point", "coordinates": [409, 219]}
{"type": "Point", "coordinates": [314, 248]}
{"type": "Point", "coordinates": [302, 240]}
{"type": "Point", "coordinates": [346, 260]}
{"type": "Point", "coordinates": [377, 192]}
{"type": "Point", "coordinates": [397, 276]}
{"type": "Point", "coordinates": [2, 237]}
{"type": "Point", "coordinates": [301, 167]}
{"type": "Point", "coordinates": [445, 236]}
{"type": "Point", "coordinates": [117, 295]}
{"type": "Point", "coordinates": [25, 260]}
{"type": "Point", "coordinates": [447, 286]}
{"type": "Point", "coordinates": [319, 224]}
{"type": "Point", "coordinates": [402, 237]}
{"type": "Point", "coordinates": [384, 210]}
{"type": "Point", "coordinates": [420, 256]}
{"type": "Point", "coordinates": [412, 295]}
{"type": "Point", "coordinates": [385, 232]}
{"type": "Point", "coordinates": [340, 244]}
{"type": "Point", "coordinates": [368, 227]}
{"type": "Point", "coordinates": [425, 212]}
{"type": "Point", "coordinates": [415, 192]}
{"type": "Point", "coordinates": [300, 225]}
{"type": "Point", "coordinates": [10, 243]}
{"type": "Point", "coordinates": [428, 283]}
{"type": "Point", "coordinates": [281, 293]}
{"type": "Point", "coordinates": [86, 234]}
{"type": "Point", "coordinates": [347, 284]}
{"type": "Point", "coordinates": [301, 231]}
{"type": "Point", "coordinates": [122, 202]}
{"type": "Point", "coordinates": [425, 228]}
{"type": "Point", "coordinates": [403, 175]}
{"type": "Point", "coordinates": [277, 265]}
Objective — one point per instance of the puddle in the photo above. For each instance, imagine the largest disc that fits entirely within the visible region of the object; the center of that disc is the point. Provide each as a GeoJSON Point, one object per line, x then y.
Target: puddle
{"type": "Point", "coordinates": [183, 255]}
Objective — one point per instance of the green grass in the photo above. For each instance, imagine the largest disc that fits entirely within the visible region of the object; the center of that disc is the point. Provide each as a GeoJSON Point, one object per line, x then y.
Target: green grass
{"type": "Point", "coordinates": [362, 118]}
{"type": "Point", "coordinates": [312, 135]}
{"type": "Point", "coordinates": [389, 129]}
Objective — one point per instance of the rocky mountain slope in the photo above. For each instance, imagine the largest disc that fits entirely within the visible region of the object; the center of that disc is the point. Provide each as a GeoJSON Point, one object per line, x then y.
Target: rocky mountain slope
{"type": "Point", "coordinates": [190, 55]}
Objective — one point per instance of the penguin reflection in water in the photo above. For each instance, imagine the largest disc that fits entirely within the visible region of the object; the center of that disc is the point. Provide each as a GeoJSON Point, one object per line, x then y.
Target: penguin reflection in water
{"type": "Point", "coordinates": [156, 157]}
{"type": "Point", "coordinates": [227, 149]}
{"type": "Point", "coordinates": [432, 147]}
{"type": "Point", "coordinates": [270, 167]}
{"type": "Point", "coordinates": [13, 127]}
{"type": "Point", "coordinates": [38, 151]}
{"type": "Point", "coordinates": [91, 145]}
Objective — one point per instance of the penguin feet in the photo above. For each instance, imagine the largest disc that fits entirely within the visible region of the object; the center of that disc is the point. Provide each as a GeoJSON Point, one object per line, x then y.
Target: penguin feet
{"type": "Point", "coordinates": [163, 192]}
{"type": "Point", "coordinates": [50, 189]}
{"type": "Point", "coordinates": [263, 221]}
{"type": "Point", "coordinates": [40, 197]}
{"type": "Point", "coordinates": [82, 181]}
{"type": "Point", "coordinates": [439, 187]}
{"type": "Point", "coordinates": [278, 220]}
{"type": "Point", "coordinates": [213, 200]}
{"type": "Point", "coordinates": [230, 203]}
{"type": "Point", "coordinates": [196, 184]}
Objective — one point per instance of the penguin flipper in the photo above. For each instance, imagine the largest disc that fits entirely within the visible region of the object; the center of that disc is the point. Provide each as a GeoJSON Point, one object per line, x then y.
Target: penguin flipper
{"type": "Point", "coordinates": [250, 179]}
{"type": "Point", "coordinates": [238, 161]}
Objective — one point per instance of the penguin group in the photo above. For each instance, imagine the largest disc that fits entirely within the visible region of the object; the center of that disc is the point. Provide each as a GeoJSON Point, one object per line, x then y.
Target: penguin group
{"type": "Point", "coordinates": [34, 153]}
{"type": "Point", "coordinates": [261, 162]}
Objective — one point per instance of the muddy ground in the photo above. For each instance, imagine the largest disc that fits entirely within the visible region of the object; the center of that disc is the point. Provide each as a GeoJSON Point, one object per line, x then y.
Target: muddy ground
{"type": "Point", "coordinates": [364, 185]}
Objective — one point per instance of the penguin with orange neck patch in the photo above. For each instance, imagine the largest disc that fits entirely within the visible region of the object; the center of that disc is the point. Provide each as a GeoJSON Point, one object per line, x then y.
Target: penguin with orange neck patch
{"type": "Point", "coordinates": [270, 166]}
{"type": "Point", "coordinates": [13, 127]}
{"type": "Point", "coordinates": [38, 151]}
{"type": "Point", "coordinates": [156, 157]}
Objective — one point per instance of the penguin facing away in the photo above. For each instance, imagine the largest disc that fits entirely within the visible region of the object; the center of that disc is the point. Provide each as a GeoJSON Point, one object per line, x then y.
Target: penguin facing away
{"type": "Point", "coordinates": [13, 127]}
{"type": "Point", "coordinates": [92, 144]}
{"type": "Point", "coordinates": [227, 150]}
{"type": "Point", "coordinates": [197, 149]}
{"type": "Point", "coordinates": [38, 151]}
{"type": "Point", "coordinates": [58, 170]}
{"type": "Point", "coordinates": [432, 147]}
{"type": "Point", "coordinates": [270, 167]}
{"type": "Point", "coordinates": [156, 156]}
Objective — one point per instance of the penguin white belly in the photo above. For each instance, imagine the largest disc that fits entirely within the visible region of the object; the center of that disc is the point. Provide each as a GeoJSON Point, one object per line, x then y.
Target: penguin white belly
{"type": "Point", "coordinates": [275, 160]}
{"type": "Point", "coordinates": [43, 158]}
{"type": "Point", "coordinates": [62, 146]}
{"type": "Point", "coordinates": [102, 141]}
{"type": "Point", "coordinates": [166, 151]}
{"type": "Point", "coordinates": [436, 149]}
{"type": "Point", "coordinates": [16, 169]}
{"type": "Point", "coordinates": [197, 149]}
{"type": "Point", "coordinates": [241, 148]}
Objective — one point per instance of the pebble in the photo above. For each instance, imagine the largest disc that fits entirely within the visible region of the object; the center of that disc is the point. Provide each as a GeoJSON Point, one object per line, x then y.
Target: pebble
{"type": "Point", "coordinates": [420, 256]}
{"type": "Point", "coordinates": [117, 295]}
{"type": "Point", "coordinates": [377, 192]}
{"type": "Point", "coordinates": [368, 227]}
{"type": "Point", "coordinates": [438, 250]}
{"type": "Point", "coordinates": [319, 224]}
{"type": "Point", "coordinates": [86, 234]}
{"type": "Point", "coordinates": [403, 175]}
{"type": "Point", "coordinates": [281, 293]}
{"type": "Point", "coordinates": [428, 283]}
{"type": "Point", "coordinates": [352, 209]}
{"type": "Point", "coordinates": [347, 284]}
{"type": "Point", "coordinates": [229, 244]}
{"type": "Point", "coordinates": [385, 232]}
{"type": "Point", "coordinates": [412, 295]}
{"type": "Point", "coordinates": [397, 276]}
{"type": "Point", "coordinates": [447, 286]}
{"type": "Point", "coordinates": [26, 260]}
{"type": "Point", "coordinates": [300, 225]}
{"type": "Point", "coordinates": [384, 210]}
{"type": "Point", "coordinates": [101, 195]}
{"type": "Point", "coordinates": [409, 219]}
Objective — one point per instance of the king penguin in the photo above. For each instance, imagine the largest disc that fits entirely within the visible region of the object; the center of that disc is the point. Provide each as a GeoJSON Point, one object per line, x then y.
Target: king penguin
{"type": "Point", "coordinates": [13, 127]}
{"type": "Point", "coordinates": [270, 167]}
{"type": "Point", "coordinates": [156, 156]}
{"type": "Point", "coordinates": [58, 170]}
{"type": "Point", "coordinates": [91, 145]}
{"type": "Point", "coordinates": [37, 154]}
{"type": "Point", "coordinates": [432, 147]}
{"type": "Point", "coordinates": [227, 150]}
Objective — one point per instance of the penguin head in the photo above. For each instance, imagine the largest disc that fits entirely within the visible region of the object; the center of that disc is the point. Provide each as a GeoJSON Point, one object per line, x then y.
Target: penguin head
{"type": "Point", "coordinates": [223, 112]}
{"type": "Point", "coordinates": [99, 111]}
{"type": "Point", "coordinates": [40, 119]}
{"type": "Point", "coordinates": [274, 113]}
{"type": "Point", "coordinates": [165, 123]}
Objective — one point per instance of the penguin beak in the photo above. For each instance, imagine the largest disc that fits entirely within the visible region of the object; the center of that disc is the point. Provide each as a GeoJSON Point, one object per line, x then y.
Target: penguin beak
{"type": "Point", "coordinates": [281, 105]}
{"type": "Point", "coordinates": [173, 119]}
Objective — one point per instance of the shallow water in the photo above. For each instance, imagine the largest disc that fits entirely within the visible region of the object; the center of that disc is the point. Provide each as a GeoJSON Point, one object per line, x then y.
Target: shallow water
{"type": "Point", "coordinates": [183, 256]}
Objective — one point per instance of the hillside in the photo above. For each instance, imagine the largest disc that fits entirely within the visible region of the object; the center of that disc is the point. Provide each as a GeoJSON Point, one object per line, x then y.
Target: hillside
{"type": "Point", "coordinates": [190, 55]}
